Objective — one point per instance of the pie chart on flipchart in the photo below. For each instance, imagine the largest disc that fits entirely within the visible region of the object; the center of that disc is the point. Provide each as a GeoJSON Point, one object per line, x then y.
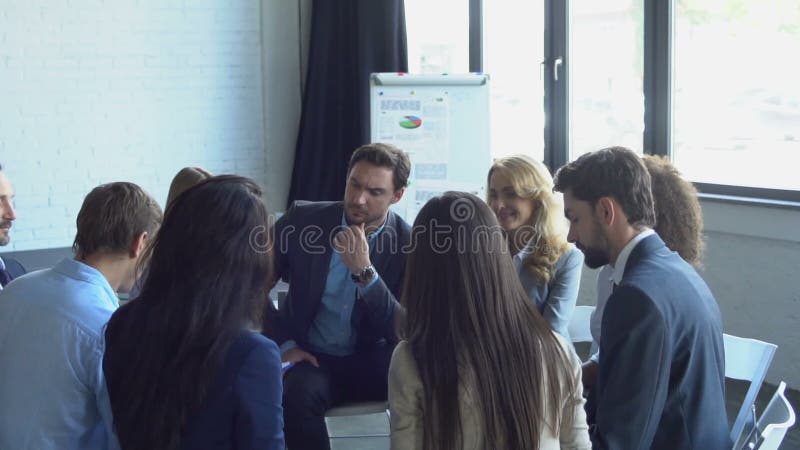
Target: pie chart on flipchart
{"type": "Point", "coordinates": [410, 122]}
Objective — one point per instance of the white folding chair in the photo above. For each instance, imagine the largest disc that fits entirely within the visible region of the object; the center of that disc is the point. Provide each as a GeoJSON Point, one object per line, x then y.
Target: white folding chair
{"type": "Point", "coordinates": [579, 327]}
{"type": "Point", "coordinates": [358, 409]}
{"type": "Point", "coordinates": [775, 421]}
{"type": "Point", "coordinates": [746, 359]}
{"type": "Point", "coordinates": [278, 294]}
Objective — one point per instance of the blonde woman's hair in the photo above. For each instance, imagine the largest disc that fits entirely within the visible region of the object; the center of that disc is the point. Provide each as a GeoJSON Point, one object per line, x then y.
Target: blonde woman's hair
{"type": "Point", "coordinates": [532, 181]}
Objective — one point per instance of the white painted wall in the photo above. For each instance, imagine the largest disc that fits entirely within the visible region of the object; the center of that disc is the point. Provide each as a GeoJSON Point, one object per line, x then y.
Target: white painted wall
{"type": "Point", "coordinates": [285, 31]}
{"type": "Point", "coordinates": [752, 266]}
{"type": "Point", "coordinates": [94, 91]}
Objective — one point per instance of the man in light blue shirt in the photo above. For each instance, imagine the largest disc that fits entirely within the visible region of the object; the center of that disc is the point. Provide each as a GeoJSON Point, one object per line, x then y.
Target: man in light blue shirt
{"type": "Point", "coordinates": [52, 389]}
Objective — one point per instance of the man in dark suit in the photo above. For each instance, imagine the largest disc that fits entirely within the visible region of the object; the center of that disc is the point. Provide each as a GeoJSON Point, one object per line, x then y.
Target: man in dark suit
{"type": "Point", "coordinates": [9, 268]}
{"type": "Point", "coordinates": [345, 265]}
{"type": "Point", "coordinates": [661, 380]}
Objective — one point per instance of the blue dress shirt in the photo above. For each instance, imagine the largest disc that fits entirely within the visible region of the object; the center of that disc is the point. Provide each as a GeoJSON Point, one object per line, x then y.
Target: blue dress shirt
{"type": "Point", "coordinates": [52, 390]}
{"type": "Point", "coordinates": [556, 299]}
{"type": "Point", "coordinates": [332, 332]}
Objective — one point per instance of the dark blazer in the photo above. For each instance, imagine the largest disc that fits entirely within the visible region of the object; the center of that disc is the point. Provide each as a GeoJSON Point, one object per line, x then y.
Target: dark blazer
{"type": "Point", "coordinates": [14, 268]}
{"type": "Point", "coordinates": [302, 243]}
{"type": "Point", "coordinates": [661, 381]}
{"type": "Point", "coordinates": [242, 409]}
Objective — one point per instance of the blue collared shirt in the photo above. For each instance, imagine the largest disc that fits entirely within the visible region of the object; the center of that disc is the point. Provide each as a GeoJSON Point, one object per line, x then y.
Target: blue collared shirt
{"type": "Point", "coordinates": [52, 389]}
{"type": "Point", "coordinates": [332, 332]}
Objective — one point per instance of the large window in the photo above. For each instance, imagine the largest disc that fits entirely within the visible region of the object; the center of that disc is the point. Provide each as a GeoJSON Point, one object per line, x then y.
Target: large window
{"type": "Point", "coordinates": [737, 92]}
{"type": "Point", "coordinates": [514, 64]}
{"type": "Point", "coordinates": [438, 36]}
{"type": "Point", "coordinates": [712, 83]}
{"type": "Point", "coordinates": [606, 54]}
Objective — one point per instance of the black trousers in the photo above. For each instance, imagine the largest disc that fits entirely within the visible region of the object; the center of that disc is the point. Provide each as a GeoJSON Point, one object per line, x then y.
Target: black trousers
{"type": "Point", "coordinates": [309, 391]}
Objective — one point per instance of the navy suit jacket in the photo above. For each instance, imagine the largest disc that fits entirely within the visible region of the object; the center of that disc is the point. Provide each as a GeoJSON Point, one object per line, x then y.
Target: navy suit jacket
{"type": "Point", "coordinates": [14, 268]}
{"type": "Point", "coordinates": [302, 244]}
{"type": "Point", "coordinates": [661, 380]}
{"type": "Point", "coordinates": [242, 409]}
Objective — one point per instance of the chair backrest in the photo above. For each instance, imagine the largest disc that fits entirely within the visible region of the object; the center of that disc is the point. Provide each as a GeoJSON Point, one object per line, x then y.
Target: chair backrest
{"type": "Point", "coordinates": [776, 420]}
{"type": "Point", "coordinates": [773, 424]}
{"type": "Point", "coordinates": [278, 294]}
{"type": "Point", "coordinates": [579, 329]}
{"type": "Point", "coordinates": [746, 359]}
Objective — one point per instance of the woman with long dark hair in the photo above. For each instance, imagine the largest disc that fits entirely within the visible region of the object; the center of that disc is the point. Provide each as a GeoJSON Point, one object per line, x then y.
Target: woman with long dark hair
{"type": "Point", "coordinates": [478, 367]}
{"type": "Point", "coordinates": [184, 365]}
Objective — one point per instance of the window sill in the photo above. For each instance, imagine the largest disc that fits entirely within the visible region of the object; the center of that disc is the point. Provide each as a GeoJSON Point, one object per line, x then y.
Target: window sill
{"type": "Point", "coordinates": [760, 218]}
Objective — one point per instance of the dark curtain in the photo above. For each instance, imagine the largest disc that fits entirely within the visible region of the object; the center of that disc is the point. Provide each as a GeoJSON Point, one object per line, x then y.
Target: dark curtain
{"type": "Point", "coordinates": [349, 40]}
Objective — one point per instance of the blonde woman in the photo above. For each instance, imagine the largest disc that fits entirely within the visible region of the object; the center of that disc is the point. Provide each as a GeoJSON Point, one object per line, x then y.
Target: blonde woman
{"type": "Point", "coordinates": [532, 216]}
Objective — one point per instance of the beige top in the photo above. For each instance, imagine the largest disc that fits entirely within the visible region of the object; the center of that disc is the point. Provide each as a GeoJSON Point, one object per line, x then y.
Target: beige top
{"type": "Point", "coordinates": [405, 404]}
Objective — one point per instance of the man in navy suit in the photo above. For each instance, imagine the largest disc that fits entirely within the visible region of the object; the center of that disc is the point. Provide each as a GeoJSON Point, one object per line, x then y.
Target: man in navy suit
{"type": "Point", "coordinates": [344, 264]}
{"type": "Point", "coordinates": [9, 268]}
{"type": "Point", "coordinates": [661, 380]}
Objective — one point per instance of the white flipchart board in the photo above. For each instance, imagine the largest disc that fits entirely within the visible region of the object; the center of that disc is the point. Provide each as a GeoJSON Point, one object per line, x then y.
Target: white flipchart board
{"type": "Point", "coordinates": [442, 121]}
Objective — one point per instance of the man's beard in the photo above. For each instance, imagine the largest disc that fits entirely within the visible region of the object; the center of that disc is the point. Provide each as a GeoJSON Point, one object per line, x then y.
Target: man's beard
{"type": "Point", "coordinates": [363, 216]}
{"type": "Point", "coordinates": [4, 239]}
{"type": "Point", "coordinates": [593, 257]}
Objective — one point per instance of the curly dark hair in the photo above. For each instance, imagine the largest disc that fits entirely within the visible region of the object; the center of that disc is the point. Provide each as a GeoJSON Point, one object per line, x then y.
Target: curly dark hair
{"type": "Point", "coordinates": [679, 218]}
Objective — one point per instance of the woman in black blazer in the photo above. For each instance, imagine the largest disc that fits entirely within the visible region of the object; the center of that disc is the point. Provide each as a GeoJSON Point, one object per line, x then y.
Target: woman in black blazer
{"type": "Point", "coordinates": [184, 365]}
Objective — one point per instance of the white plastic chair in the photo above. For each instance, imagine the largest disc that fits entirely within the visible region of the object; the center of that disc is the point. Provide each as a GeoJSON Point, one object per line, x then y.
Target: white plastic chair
{"type": "Point", "coordinates": [579, 324]}
{"type": "Point", "coordinates": [773, 424]}
{"type": "Point", "coordinates": [358, 409]}
{"type": "Point", "coordinates": [278, 294]}
{"type": "Point", "coordinates": [746, 359]}
{"type": "Point", "coordinates": [580, 329]}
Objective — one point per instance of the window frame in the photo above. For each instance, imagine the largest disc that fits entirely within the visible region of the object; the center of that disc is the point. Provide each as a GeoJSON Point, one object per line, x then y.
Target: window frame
{"type": "Point", "coordinates": [657, 90]}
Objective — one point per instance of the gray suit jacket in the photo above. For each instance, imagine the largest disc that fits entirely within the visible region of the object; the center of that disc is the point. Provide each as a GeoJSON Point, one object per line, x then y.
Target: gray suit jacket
{"type": "Point", "coordinates": [661, 382]}
{"type": "Point", "coordinates": [303, 251]}
{"type": "Point", "coordinates": [14, 268]}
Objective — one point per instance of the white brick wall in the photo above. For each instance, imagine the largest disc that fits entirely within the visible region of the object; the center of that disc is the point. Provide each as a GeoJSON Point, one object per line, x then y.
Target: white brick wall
{"type": "Point", "coordinates": [93, 91]}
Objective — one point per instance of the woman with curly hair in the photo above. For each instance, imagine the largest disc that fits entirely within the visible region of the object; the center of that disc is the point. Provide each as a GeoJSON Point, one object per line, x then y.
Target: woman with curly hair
{"type": "Point", "coordinates": [532, 215]}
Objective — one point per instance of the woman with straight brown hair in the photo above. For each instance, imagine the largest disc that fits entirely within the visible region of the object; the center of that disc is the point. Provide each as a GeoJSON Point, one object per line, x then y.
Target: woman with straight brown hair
{"type": "Point", "coordinates": [184, 179]}
{"type": "Point", "coordinates": [185, 364]}
{"type": "Point", "coordinates": [478, 367]}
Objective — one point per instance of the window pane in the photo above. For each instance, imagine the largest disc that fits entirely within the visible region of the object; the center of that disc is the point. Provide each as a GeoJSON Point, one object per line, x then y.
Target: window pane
{"type": "Point", "coordinates": [606, 56]}
{"type": "Point", "coordinates": [438, 36]}
{"type": "Point", "coordinates": [517, 104]}
{"type": "Point", "coordinates": [737, 92]}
